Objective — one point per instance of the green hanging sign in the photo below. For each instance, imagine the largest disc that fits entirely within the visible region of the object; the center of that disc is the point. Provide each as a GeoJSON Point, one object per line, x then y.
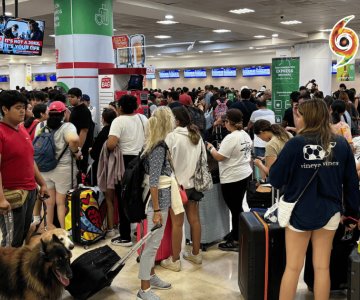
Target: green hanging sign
{"type": "Point", "coordinates": [285, 79]}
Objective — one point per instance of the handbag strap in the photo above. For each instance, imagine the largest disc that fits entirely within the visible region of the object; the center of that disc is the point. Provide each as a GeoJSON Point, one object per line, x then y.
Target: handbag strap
{"type": "Point", "coordinates": [171, 162]}
{"type": "Point", "coordinates": [307, 185]}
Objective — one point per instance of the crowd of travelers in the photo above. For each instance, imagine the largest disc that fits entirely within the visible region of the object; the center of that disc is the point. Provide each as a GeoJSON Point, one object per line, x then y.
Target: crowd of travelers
{"type": "Point", "coordinates": [236, 132]}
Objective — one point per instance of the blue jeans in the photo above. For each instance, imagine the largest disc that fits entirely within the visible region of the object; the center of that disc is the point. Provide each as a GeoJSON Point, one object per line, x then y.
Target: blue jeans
{"type": "Point", "coordinates": [147, 260]}
{"type": "Point", "coordinates": [22, 217]}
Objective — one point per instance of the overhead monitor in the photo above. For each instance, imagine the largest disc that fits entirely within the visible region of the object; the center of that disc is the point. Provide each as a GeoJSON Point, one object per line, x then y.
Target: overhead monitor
{"type": "Point", "coordinates": [195, 73]}
{"type": "Point", "coordinates": [4, 78]}
{"type": "Point", "coordinates": [169, 74]}
{"type": "Point", "coordinates": [52, 77]}
{"type": "Point", "coordinates": [256, 71]}
{"type": "Point", "coordinates": [333, 70]}
{"type": "Point", "coordinates": [40, 77]}
{"type": "Point", "coordinates": [223, 72]}
{"type": "Point", "coordinates": [21, 36]}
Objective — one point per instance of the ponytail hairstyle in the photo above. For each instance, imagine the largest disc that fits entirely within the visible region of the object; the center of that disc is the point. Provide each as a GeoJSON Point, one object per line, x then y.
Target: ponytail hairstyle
{"type": "Point", "coordinates": [182, 116]}
{"type": "Point", "coordinates": [235, 118]}
{"type": "Point", "coordinates": [55, 119]}
{"type": "Point", "coordinates": [338, 108]}
{"type": "Point", "coordinates": [277, 130]}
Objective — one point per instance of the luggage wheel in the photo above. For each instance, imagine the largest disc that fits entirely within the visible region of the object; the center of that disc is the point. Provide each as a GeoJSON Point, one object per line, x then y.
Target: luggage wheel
{"type": "Point", "coordinates": [138, 259]}
{"type": "Point", "coordinates": [86, 247]}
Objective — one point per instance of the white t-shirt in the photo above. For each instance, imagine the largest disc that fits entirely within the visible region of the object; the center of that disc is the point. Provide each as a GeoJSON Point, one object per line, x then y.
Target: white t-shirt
{"type": "Point", "coordinates": [130, 130]}
{"type": "Point", "coordinates": [236, 147]}
{"type": "Point", "coordinates": [262, 114]}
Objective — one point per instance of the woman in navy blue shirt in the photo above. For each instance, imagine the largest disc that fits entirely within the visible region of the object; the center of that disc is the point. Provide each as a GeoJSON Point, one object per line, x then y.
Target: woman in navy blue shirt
{"type": "Point", "coordinates": [333, 192]}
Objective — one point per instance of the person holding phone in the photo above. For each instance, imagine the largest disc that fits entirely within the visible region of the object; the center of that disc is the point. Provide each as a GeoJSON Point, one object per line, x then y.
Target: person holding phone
{"type": "Point", "coordinates": [234, 158]}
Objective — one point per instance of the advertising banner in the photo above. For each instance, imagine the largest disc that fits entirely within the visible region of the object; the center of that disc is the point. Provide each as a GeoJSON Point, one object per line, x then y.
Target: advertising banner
{"type": "Point", "coordinates": [129, 51]}
{"type": "Point", "coordinates": [21, 36]}
{"type": "Point", "coordinates": [285, 79]}
{"type": "Point", "coordinates": [346, 73]}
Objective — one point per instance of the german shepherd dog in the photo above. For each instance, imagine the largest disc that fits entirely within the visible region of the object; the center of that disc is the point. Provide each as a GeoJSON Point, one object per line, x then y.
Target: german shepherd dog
{"type": "Point", "coordinates": [35, 273]}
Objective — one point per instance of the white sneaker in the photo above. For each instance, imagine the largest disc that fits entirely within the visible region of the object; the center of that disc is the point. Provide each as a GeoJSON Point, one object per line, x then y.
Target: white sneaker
{"type": "Point", "coordinates": [171, 265]}
{"type": "Point", "coordinates": [110, 233]}
{"type": "Point", "coordinates": [196, 259]}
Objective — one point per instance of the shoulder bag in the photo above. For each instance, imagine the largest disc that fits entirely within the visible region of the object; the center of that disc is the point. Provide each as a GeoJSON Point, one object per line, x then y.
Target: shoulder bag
{"type": "Point", "coordinates": [202, 177]}
{"type": "Point", "coordinates": [285, 208]}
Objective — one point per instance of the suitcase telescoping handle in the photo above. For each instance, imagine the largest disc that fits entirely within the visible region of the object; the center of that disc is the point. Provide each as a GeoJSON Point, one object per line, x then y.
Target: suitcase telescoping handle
{"type": "Point", "coordinates": [122, 261]}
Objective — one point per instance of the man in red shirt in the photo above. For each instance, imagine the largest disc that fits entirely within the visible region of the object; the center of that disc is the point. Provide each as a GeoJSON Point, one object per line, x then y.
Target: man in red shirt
{"type": "Point", "coordinates": [18, 170]}
{"type": "Point", "coordinates": [185, 98]}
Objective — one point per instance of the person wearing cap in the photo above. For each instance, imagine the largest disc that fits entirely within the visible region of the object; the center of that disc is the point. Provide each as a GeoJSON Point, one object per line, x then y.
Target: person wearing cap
{"type": "Point", "coordinates": [58, 179]}
{"type": "Point", "coordinates": [86, 100]}
{"type": "Point", "coordinates": [18, 171]}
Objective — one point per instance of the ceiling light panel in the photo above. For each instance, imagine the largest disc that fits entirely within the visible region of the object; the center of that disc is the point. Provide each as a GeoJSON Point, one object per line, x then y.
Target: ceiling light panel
{"type": "Point", "coordinates": [162, 36]}
{"type": "Point", "coordinates": [241, 11]}
{"type": "Point", "coordinates": [293, 22]}
{"type": "Point", "coordinates": [205, 42]}
{"type": "Point", "coordinates": [221, 30]}
{"type": "Point", "coordinates": [167, 22]}
{"type": "Point", "coordinates": [259, 36]}
{"type": "Point", "coordinates": [325, 30]}
{"type": "Point", "coordinates": [169, 17]}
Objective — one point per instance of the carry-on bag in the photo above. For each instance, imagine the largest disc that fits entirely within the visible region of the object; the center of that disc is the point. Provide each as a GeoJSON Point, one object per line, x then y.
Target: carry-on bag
{"type": "Point", "coordinates": [262, 257]}
{"type": "Point", "coordinates": [165, 248]}
{"type": "Point", "coordinates": [214, 218]}
{"type": "Point", "coordinates": [96, 269]}
{"type": "Point", "coordinates": [85, 216]}
{"type": "Point", "coordinates": [353, 291]}
{"type": "Point", "coordinates": [258, 196]}
{"type": "Point", "coordinates": [341, 249]}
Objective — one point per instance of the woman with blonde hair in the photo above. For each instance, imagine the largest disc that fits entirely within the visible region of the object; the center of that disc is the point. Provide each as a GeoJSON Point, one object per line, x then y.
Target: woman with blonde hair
{"type": "Point", "coordinates": [157, 167]}
{"type": "Point", "coordinates": [276, 137]}
{"type": "Point", "coordinates": [317, 168]}
{"type": "Point", "coordinates": [185, 145]}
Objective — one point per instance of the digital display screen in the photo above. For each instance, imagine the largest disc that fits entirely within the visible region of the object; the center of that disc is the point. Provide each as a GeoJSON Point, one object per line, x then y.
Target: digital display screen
{"type": "Point", "coordinates": [40, 77]}
{"type": "Point", "coordinates": [52, 77]}
{"type": "Point", "coordinates": [333, 70]}
{"type": "Point", "coordinates": [195, 73]}
{"type": "Point", "coordinates": [169, 74]}
{"type": "Point", "coordinates": [4, 79]}
{"type": "Point", "coordinates": [223, 72]}
{"type": "Point", "coordinates": [256, 71]}
{"type": "Point", "coordinates": [21, 36]}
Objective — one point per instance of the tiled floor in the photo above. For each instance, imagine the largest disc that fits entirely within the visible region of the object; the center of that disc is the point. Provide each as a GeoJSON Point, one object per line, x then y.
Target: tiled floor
{"type": "Point", "coordinates": [215, 279]}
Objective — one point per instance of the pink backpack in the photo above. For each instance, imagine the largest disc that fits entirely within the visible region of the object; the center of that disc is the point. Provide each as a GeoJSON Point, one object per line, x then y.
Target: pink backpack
{"type": "Point", "coordinates": [220, 109]}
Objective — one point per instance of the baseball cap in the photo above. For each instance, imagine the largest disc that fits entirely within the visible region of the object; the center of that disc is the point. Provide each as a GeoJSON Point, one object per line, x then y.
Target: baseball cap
{"type": "Point", "coordinates": [262, 89]}
{"type": "Point", "coordinates": [85, 97]}
{"type": "Point", "coordinates": [57, 106]}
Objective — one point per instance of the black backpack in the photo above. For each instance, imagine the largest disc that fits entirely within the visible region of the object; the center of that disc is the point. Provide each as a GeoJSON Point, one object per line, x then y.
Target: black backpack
{"type": "Point", "coordinates": [197, 117]}
{"type": "Point", "coordinates": [132, 190]}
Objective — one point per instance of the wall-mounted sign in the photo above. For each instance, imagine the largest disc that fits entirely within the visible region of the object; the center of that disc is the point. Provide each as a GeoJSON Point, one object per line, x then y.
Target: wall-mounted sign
{"type": "Point", "coordinates": [223, 72]}
{"type": "Point", "coordinates": [344, 42]}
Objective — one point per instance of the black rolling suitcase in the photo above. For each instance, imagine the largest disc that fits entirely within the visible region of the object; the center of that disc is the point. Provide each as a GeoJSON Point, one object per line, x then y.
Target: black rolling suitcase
{"type": "Point", "coordinates": [338, 261]}
{"type": "Point", "coordinates": [96, 269]}
{"type": "Point", "coordinates": [353, 292]}
{"type": "Point", "coordinates": [262, 257]}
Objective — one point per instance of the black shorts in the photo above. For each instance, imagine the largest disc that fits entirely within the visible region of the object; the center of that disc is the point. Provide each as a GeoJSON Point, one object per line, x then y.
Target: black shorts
{"type": "Point", "coordinates": [194, 195]}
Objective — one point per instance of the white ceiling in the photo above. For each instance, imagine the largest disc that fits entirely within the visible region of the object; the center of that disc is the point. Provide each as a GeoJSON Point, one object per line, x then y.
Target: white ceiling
{"type": "Point", "coordinates": [198, 19]}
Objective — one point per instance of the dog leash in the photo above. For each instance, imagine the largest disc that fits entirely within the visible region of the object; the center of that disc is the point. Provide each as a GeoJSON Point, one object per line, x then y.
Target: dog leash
{"type": "Point", "coordinates": [9, 224]}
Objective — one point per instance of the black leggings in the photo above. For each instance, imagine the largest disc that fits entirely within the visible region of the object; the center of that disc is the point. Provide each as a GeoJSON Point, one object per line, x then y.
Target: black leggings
{"type": "Point", "coordinates": [124, 223]}
{"type": "Point", "coordinates": [233, 194]}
